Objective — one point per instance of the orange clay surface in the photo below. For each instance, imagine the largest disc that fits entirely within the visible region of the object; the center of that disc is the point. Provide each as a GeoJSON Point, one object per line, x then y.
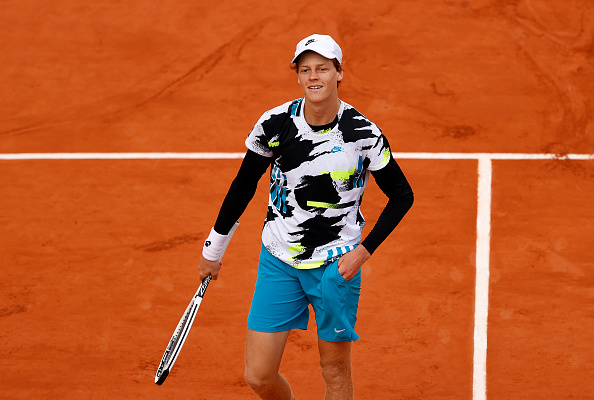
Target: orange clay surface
{"type": "Point", "coordinates": [99, 258]}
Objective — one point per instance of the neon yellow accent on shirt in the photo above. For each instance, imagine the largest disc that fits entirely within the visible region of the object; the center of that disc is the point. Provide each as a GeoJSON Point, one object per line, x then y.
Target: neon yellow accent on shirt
{"type": "Point", "coordinates": [309, 265]}
{"type": "Point", "coordinates": [325, 131]}
{"type": "Point", "coordinates": [321, 204]}
{"type": "Point", "coordinates": [386, 156]}
{"type": "Point", "coordinates": [273, 144]}
{"type": "Point", "coordinates": [298, 248]}
{"type": "Point", "coordinates": [342, 175]}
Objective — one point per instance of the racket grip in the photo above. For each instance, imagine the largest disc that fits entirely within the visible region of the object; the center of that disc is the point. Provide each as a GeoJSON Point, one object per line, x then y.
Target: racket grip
{"type": "Point", "coordinates": [203, 286]}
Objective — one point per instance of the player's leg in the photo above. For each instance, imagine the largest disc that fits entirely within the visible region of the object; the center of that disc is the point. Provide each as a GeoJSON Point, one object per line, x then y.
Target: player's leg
{"type": "Point", "coordinates": [263, 354]}
{"type": "Point", "coordinates": [335, 360]}
{"type": "Point", "coordinates": [335, 302]}
{"type": "Point", "coordinates": [278, 305]}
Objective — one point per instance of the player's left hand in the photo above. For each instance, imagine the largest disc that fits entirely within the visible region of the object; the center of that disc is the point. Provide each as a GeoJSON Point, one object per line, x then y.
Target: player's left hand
{"type": "Point", "coordinates": [351, 262]}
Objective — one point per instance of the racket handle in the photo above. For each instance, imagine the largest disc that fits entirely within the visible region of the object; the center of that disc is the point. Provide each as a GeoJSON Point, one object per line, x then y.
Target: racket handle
{"type": "Point", "coordinates": [203, 286]}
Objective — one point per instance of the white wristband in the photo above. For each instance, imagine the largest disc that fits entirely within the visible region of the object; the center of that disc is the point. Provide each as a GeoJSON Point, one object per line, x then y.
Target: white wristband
{"type": "Point", "coordinates": [213, 246]}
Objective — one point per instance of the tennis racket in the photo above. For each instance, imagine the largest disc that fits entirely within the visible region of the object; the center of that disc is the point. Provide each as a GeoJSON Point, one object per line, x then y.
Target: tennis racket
{"type": "Point", "coordinates": [183, 327]}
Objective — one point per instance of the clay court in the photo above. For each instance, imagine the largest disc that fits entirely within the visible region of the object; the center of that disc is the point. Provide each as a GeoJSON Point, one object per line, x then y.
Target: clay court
{"type": "Point", "coordinates": [122, 125]}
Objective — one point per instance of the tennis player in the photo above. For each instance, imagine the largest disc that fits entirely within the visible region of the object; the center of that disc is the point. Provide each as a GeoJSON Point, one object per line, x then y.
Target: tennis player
{"type": "Point", "coordinates": [321, 152]}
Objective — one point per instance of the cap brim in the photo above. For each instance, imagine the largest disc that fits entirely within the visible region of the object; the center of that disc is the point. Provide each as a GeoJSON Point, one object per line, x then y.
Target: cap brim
{"type": "Point", "coordinates": [329, 56]}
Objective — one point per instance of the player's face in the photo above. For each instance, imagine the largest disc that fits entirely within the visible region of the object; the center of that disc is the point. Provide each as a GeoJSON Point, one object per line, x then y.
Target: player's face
{"type": "Point", "coordinates": [318, 78]}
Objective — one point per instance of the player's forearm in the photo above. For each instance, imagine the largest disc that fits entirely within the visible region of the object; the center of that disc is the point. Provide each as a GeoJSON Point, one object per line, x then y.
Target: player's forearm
{"type": "Point", "coordinates": [390, 217]}
{"type": "Point", "coordinates": [236, 201]}
{"type": "Point", "coordinates": [241, 191]}
{"type": "Point", "coordinates": [393, 183]}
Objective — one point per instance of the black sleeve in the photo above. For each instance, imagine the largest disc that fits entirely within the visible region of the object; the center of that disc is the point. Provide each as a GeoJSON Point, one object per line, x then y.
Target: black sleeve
{"type": "Point", "coordinates": [241, 191]}
{"type": "Point", "coordinates": [393, 183]}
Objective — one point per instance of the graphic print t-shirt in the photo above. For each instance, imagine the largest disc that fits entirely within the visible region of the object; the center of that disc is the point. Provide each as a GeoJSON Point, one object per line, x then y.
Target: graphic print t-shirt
{"type": "Point", "coordinates": [317, 182]}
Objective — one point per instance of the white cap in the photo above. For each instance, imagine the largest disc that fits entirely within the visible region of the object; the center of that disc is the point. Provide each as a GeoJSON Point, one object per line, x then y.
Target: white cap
{"type": "Point", "coordinates": [321, 44]}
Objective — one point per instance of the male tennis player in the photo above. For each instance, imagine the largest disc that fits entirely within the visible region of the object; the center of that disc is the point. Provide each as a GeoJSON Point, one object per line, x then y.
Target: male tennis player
{"type": "Point", "coordinates": [321, 152]}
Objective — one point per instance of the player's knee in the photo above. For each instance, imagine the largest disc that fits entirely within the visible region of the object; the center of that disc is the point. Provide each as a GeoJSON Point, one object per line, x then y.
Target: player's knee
{"type": "Point", "coordinates": [336, 373]}
{"type": "Point", "coordinates": [258, 381]}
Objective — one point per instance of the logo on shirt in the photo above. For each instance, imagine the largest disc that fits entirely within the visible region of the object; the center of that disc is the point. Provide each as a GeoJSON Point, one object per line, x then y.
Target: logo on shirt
{"type": "Point", "coordinates": [336, 149]}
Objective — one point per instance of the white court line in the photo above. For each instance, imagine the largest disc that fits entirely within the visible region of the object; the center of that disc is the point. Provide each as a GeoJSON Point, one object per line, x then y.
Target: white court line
{"type": "Point", "coordinates": [491, 156]}
{"type": "Point", "coordinates": [483, 222]}
{"type": "Point", "coordinates": [481, 292]}
{"type": "Point", "coordinates": [120, 156]}
{"type": "Point", "coordinates": [226, 156]}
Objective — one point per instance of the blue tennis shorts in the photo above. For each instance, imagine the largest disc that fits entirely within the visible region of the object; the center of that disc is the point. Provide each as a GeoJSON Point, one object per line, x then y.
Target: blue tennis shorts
{"type": "Point", "coordinates": [283, 294]}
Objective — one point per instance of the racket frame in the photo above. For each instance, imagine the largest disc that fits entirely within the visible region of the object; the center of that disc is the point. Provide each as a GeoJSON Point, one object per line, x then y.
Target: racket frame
{"type": "Point", "coordinates": [185, 323]}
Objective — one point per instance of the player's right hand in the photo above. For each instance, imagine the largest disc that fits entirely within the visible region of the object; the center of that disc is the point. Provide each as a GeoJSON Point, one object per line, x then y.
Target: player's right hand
{"type": "Point", "coordinates": [208, 267]}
